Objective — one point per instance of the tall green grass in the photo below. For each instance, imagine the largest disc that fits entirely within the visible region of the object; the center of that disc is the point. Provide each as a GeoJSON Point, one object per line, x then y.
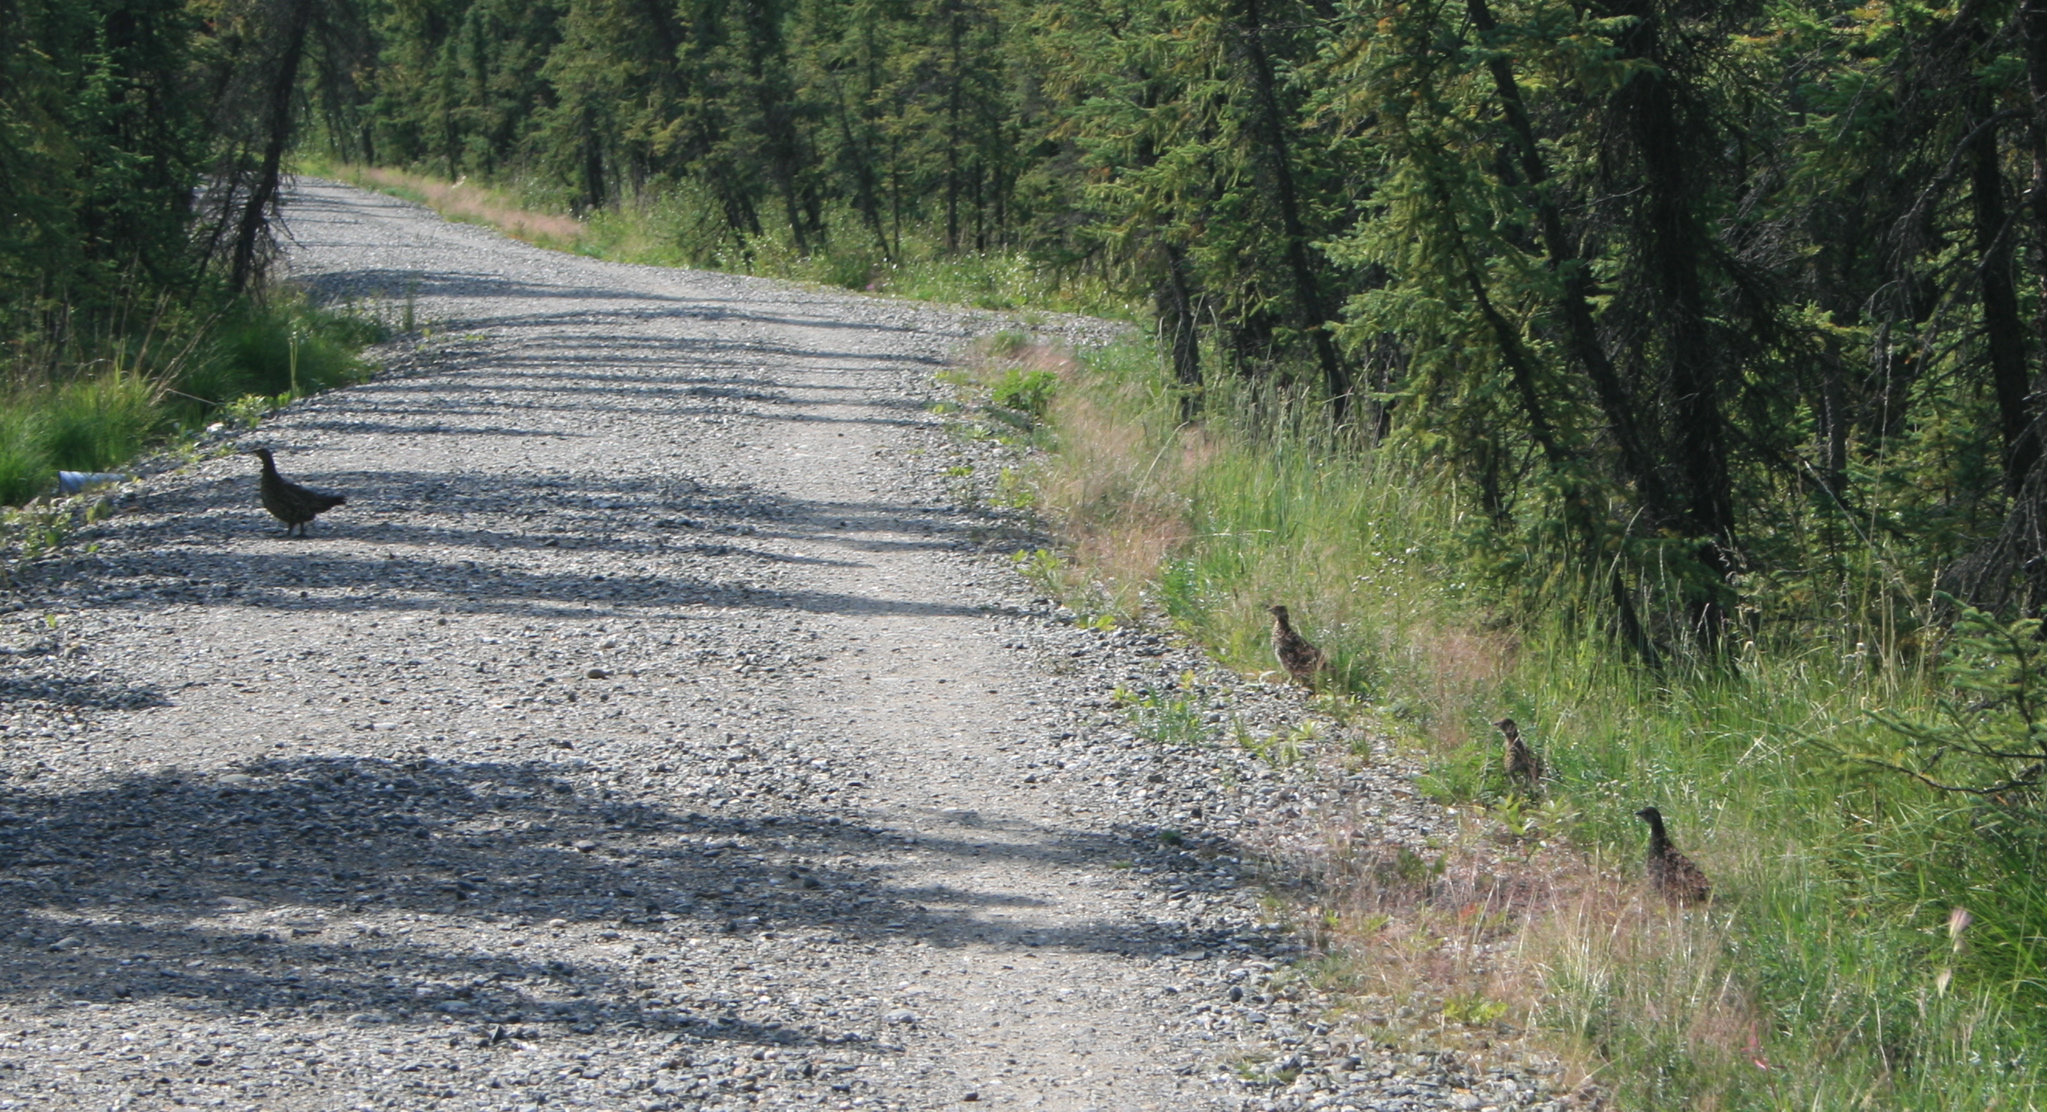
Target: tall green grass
{"type": "Point", "coordinates": [100, 400]}
{"type": "Point", "coordinates": [1816, 979]}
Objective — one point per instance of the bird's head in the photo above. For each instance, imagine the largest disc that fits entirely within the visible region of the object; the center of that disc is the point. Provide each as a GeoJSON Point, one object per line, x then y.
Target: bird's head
{"type": "Point", "coordinates": [1277, 612]}
{"type": "Point", "coordinates": [1650, 815]}
{"type": "Point", "coordinates": [260, 453]}
{"type": "Point", "coordinates": [1506, 726]}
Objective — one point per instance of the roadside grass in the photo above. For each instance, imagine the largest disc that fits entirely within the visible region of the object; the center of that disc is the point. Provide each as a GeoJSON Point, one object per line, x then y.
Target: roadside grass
{"type": "Point", "coordinates": [101, 400]}
{"type": "Point", "coordinates": [466, 202]}
{"type": "Point", "coordinates": [681, 226]}
{"type": "Point", "coordinates": [1822, 976]}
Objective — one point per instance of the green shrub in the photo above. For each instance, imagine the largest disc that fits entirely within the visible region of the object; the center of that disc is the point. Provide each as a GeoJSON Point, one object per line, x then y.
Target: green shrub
{"type": "Point", "coordinates": [1026, 391]}
{"type": "Point", "coordinates": [87, 424]}
{"type": "Point", "coordinates": [285, 350]}
{"type": "Point", "coordinates": [847, 268]}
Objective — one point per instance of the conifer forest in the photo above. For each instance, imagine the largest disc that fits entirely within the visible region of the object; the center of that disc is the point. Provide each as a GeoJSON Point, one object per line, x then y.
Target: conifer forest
{"type": "Point", "coordinates": [1715, 333]}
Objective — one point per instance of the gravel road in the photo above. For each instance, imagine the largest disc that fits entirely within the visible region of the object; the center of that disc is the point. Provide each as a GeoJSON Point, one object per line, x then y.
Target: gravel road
{"type": "Point", "coordinates": [653, 729]}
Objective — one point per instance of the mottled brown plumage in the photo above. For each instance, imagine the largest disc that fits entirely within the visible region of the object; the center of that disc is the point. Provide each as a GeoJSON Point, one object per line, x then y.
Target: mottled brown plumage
{"type": "Point", "coordinates": [1301, 660]}
{"type": "Point", "coordinates": [289, 502]}
{"type": "Point", "coordinates": [1524, 768]}
{"type": "Point", "coordinates": [1671, 872]}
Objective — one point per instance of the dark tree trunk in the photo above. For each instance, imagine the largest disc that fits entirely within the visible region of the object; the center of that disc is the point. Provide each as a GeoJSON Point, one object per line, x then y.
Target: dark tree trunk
{"type": "Point", "coordinates": [2011, 564]}
{"type": "Point", "coordinates": [1311, 315]}
{"type": "Point", "coordinates": [866, 190]}
{"type": "Point", "coordinates": [785, 158]}
{"type": "Point", "coordinates": [1580, 517]}
{"type": "Point", "coordinates": [451, 141]}
{"type": "Point", "coordinates": [1172, 297]}
{"type": "Point", "coordinates": [1630, 624]}
{"type": "Point", "coordinates": [1674, 250]}
{"type": "Point", "coordinates": [1520, 364]}
{"type": "Point", "coordinates": [1574, 303]}
{"type": "Point", "coordinates": [1175, 310]}
{"type": "Point", "coordinates": [2003, 333]}
{"type": "Point", "coordinates": [1832, 422]}
{"type": "Point", "coordinates": [954, 91]}
{"type": "Point", "coordinates": [2033, 29]}
{"type": "Point", "coordinates": [255, 217]}
{"type": "Point", "coordinates": [2033, 32]}
{"type": "Point", "coordinates": [593, 167]}
{"type": "Point", "coordinates": [1694, 357]}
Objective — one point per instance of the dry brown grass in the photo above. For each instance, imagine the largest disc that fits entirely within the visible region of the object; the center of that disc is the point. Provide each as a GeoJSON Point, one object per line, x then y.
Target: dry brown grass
{"type": "Point", "coordinates": [1472, 945]}
{"type": "Point", "coordinates": [1457, 670]}
{"type": "Point", "coordinates": [1122, 510]}
{"type": "Point", "coordinates": [459, 200]}
{"type": "Point", "coordinates": [1422, 947]}
{"type": "Point", "coordinates": [1127, 559]}
{"type": "Point", "coordinates": [1613, 956]}
{"type": "Point", "coordinates": [1038, 356]}
{"type": "Point", "coordinates": [1455, 946]}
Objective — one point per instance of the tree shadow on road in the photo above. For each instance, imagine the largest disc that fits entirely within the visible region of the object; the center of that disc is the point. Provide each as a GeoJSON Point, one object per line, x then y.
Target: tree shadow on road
{"type": "Point", "coordinates": [283, 887]}
{"type": "Point", "coordinates": [500, 544]}
{"type": "Point", "coordinates": [640, 305]}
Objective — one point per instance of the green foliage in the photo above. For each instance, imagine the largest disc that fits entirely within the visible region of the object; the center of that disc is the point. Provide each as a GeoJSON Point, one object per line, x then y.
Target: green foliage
{"type": "Point", "coordinates": [100, 417]}
{"type": "Point", "coordinates": [1983, 740]}
{"type": "Point", "coordinates": [1507, 234]}
{"type": "Point", "coordinates": [1641, 368]}
{"type": "Point", "coordinates": [92, 422]}
{"type": "Point", "coordinates": [1042, 567]}
{"type": "Point", "coordinates": [1990, 734]}
{"type": "Point", "coordinates": [1473, 1010]}
{"type": "Point", "coordinates": [99, 145]}
{"type": "Point", "coordinates": [1462, 776]}
{"type": "Point", "coordinates": [286, 348]}
{"type": "Point", "coordinates": [136, 224]}
{"type": "Point", "coordinates": [1013, 490]}
{"type": "Point", "coordinates": [1026, 391]}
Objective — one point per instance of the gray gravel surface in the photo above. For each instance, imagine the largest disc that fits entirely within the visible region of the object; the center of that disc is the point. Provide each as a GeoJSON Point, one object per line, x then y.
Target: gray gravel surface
{"type": "Point", "coordinates": [653, 729]}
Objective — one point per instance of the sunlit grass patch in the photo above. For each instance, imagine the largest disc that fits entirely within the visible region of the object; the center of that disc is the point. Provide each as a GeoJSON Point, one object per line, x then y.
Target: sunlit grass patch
{"type": "Point", "coordinates": [473, 203]}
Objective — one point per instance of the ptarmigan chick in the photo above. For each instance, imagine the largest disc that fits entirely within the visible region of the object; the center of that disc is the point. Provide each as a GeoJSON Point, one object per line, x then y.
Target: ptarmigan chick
{"type": "Point", "coordinates": [1301, 660]}
{"type": "Point", "coordinates": [1524, 768]}
{"type": "Point", "coordinates": [1671, 872]}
